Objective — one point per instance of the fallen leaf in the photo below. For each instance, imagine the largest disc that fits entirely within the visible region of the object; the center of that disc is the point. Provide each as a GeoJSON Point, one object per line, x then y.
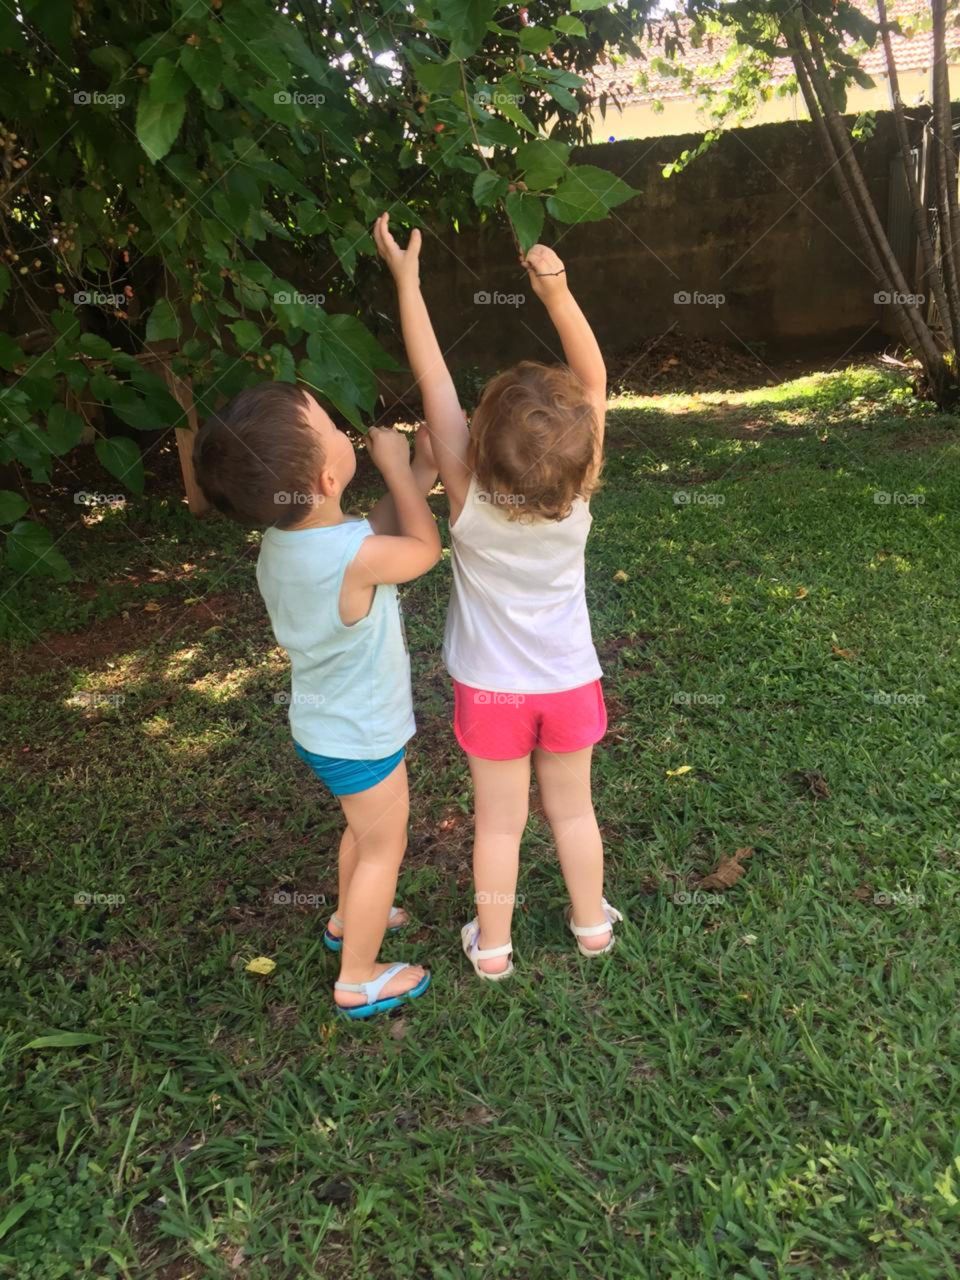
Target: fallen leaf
{"type": "Point", "coordinates": [801, 593]}
{"type": "Point", "coordinates": [262, 964]}
{"type": "Point", "coordinates": [727, 871]}
{"type": "Point", "coordinates": [863, 893]}
{"type": "Point", "coordinates": [749, 939]}
{"type": "Point", "coordinates": [398, 1028]}
{"type": "Point", "coordinates": [676, 773]}
{"type": "Point", "coordinates": [620, 576]}
{"type": "Point", "coordinates": [816, 783]}
{"type": "Point", "coordinates": [152, 607]}
{"type": "Point", "coordinates": [192, 600]}
{"type": "Point", "coordinates": [848, 654]}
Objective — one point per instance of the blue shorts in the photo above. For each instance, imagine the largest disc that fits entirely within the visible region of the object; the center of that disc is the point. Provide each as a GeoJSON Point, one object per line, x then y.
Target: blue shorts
{"type": "Point", "coordinates": [347, 777]}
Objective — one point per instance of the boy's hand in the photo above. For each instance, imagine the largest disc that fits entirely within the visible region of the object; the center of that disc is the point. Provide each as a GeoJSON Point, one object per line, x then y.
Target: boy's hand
{"type": "Point", "coordinates": [404, 264]}
{"type": "Point", "coordinates": [548, 277]}
{"type": "Point", "coordinates": [389, 450]}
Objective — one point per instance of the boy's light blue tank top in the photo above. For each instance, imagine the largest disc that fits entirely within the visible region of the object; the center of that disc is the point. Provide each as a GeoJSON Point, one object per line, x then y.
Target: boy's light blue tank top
{"type": "Point", "coordinates": [350, 687]}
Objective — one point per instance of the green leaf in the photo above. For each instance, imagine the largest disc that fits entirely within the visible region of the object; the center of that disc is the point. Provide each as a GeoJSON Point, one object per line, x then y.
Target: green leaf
{"type": "Point", "coordinates": [63, 1040]}
{"type": "Point", "coordinates": [508, 108]}
{"type": "Point", "coordinates": [160, 111]}
{"type": "Point", "coordinates": [91, 344]}
{"type": "Point", "coordinates": [284, 367]}
{"type": "Point", "coordinates": [488, 188]}
{"type": "Point", "coordinates": [526, 213]}
{"type": "Point", "coordinates": [497, 133]}
{"type": "Point", "coordinates": [563, 98]}
{"type": "Point", "coordinates": [467, 20]}
{"type": "Point", "coordinates": [569, 26]}
{"type": "Point", "coordinates": [64, 429]}
{"type": "Point", "coordinates": [12, 507]}
{"type": "Point", "coordinates": [247, 334]}
{"type": "Point", "coordinates": [581, 6]}
{"type": "Point", "coordinates": [121, 457]}
{"type": "Point", "coordinates": [13, 1215]}
{"type": "Point", "coordinates": [30, 549]}
{"type": "Point", "coordinates": [536, 39]}
{"type": "Point", "coordinates": [163, 322]}
{"type": "Point", "coordinates": [543, 162]}
{"type": "Point", "coordinates": [587, 194]}
{"type": "Point", "coordinates": [11, 353]}
{"type": "Point", "coordinates": [203, 63]}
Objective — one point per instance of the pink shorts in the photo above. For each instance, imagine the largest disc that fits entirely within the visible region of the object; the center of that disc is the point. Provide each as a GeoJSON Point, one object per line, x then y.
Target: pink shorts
{"type": "Point", "coordinates": [506, 726]}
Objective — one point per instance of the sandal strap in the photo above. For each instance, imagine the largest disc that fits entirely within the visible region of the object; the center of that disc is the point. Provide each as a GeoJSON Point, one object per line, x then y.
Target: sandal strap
{"type": "Point", "coordinates": [338, 920]}
{"type": "Point", "coordinates": [491, 953]}
{"type": "Point", "coordinates": [613, 916]}
{"type": "Point", "coordinates": [373, 988]}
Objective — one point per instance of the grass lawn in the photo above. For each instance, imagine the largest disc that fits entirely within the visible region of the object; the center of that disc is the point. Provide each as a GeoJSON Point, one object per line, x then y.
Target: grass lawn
{"type": "Point", "coordinates": [757, 1083]}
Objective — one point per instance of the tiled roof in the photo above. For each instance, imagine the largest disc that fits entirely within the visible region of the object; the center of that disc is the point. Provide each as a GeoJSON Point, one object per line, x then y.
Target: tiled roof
{"type": "Point", "coordinates": [620, 81]}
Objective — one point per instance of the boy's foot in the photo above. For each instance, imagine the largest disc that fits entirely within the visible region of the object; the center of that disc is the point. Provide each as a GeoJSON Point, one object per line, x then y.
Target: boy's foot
{"type": "Point", "coordinates": [403, 982]}
{"type": "Point", "coordinates": [398, 919]}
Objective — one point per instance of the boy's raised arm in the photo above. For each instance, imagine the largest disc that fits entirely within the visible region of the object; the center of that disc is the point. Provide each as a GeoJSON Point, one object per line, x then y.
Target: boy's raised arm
{"type": "Point", "coordinates": [445, 419]}
{"type": "Point", "coordinates": [548, 279]}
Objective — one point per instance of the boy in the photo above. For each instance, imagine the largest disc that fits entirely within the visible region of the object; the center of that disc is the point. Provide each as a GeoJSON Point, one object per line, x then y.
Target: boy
{"type": "Point", "coordinates": [274, 458]}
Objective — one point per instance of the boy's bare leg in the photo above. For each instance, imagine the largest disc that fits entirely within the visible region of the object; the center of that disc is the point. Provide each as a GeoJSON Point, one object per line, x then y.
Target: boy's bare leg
{"type": "Point", "coordinates": [501, 806]}
{"type": "Point", "coordinates": [346, 864]}
{"type": "Point", "coordinates": [564, 781]}
{"type": "Point", "coordinates": [378, 820]}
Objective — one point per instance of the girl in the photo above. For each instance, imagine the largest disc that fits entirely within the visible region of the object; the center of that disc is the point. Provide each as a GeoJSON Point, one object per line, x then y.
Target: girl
{"type": "Point", "coordinates": [518, 644]}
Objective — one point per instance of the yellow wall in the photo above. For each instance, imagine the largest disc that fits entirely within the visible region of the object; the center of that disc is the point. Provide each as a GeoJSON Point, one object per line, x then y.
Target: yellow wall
{"type": "Point", "coordinates": [681, 115]}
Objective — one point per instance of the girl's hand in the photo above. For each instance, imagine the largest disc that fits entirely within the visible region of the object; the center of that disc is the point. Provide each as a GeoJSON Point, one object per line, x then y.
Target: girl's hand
{"type": "Point", "coordinates": [548, 277]}
{"type": "Point", "coordinates": [404, 264]}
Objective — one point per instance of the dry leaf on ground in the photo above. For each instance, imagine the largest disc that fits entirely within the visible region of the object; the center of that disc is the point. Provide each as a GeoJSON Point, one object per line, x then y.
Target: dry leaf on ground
{"type": "Point", "coordinates": [727, 871]}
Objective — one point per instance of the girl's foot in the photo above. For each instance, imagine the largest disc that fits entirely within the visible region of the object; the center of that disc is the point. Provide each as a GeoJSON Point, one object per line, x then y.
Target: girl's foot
{"type": "Point", "coordinates": [333, 934]}
{"type": "Point", "coordinates": [388, 987]}
{"type": "Point", "coordinates": [494, 962]}
{"type": "Point", "coordinates": [595, 939]}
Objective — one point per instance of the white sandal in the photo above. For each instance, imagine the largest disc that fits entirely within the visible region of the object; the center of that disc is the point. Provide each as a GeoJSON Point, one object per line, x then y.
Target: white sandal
{"type": "Point", "coordinates": [470, 938]}
{"type": "Point", "coordinates": [594, 930]}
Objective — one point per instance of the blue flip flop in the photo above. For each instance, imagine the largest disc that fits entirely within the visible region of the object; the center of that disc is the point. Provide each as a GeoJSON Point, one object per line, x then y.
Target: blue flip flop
{"type": "Point", "coordinates": [372, 989]}
{"type": "Point", "coordinates": [333, 943]}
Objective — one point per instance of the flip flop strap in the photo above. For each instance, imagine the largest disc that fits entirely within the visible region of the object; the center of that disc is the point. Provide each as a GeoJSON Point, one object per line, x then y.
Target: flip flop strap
{"type": "Point", "coordinates": [373, 988]}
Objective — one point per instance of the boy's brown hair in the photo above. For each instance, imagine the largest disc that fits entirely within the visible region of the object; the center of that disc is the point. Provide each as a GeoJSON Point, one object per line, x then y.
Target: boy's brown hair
{"type": "Point", "coordinates": [258, 459]}
{"type": "Point", "coordinates": [533, 441]}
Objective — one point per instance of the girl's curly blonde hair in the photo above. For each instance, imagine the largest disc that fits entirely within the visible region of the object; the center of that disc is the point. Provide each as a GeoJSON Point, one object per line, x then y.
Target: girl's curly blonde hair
{"type": "Point", "coordinates": [533, 441]}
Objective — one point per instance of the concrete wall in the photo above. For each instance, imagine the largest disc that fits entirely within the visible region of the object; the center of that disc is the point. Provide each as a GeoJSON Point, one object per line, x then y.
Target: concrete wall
{"type": "Point", "coordinates": [757, 220]}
